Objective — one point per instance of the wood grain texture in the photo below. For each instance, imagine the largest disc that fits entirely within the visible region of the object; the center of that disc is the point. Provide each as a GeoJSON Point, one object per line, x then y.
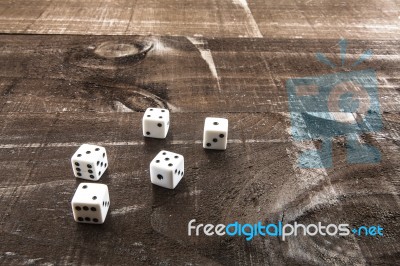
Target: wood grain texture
{"type": "Point", "coordinates": [122, 17]}
{"type": "Point", "coordinates": [60, 91]}
{"type": "Point", "coordinates": [100, 64]}
{"type": "Point", "coordinates": [255, 179]}
{"type": "Point", "coordinates": [245, 75]}
{"type": "Point", "coordinates": [330, 19]}
{"type": "Point", "coordinates": [227, 18]}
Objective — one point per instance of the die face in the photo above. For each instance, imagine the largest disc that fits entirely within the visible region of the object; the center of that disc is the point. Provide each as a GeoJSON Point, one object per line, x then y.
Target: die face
{"type": "Point", "coordinates": [87, 213]}
{"type": "Point", "coordinates": [90, 203]}
{"type": "Point", "coordinates": [215, 140]}
{"type": "Point", "coordinates": [89, 162]}
{"type": "Point", "coordinates": [161, 177]}
{"type": "Point", "coordinates": [167, 169]}
{"type": "Point", "coordinates": [155, 123]}
{"type": "Point", "coordinates": [220, 124]}
{"type": "Point", "coordinates": [215, 135]}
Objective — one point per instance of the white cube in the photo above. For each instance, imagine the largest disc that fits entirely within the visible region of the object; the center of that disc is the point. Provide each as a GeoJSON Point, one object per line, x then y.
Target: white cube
{"type": "Point", "coordinates": [89, 162]}
{"type": "Point", "coordinates": [90, 203]}
{"type": "Point", "coordinates": [155, 123]}
{"type": "Point", "coordinates": [167, 169]}
{"type": "Point", "coordinates": [215, 135]}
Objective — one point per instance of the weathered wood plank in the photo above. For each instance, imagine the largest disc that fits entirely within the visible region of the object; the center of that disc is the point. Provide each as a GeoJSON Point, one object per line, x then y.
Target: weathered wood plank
{"type": "Point", "coordinates": [327, 19]}
{"type": "Point", "coordinates": [255, 179]}
{"type": "Point", "coordinates": [238, 18]}
{"type": "Point", "coordinates": [120, 73]}
{"type": "Point", "coordinates": [193, 18]}
{"type": "Point", "coordinates": [57, 92]}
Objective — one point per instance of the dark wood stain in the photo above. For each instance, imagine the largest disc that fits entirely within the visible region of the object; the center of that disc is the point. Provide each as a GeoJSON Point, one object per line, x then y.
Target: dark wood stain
{"type": "Point", "coordinates": [74, 72]}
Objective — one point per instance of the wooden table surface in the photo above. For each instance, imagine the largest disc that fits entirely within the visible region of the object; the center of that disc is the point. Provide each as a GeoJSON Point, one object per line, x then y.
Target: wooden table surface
{"type": "Point", "coordinates": [83, 71]}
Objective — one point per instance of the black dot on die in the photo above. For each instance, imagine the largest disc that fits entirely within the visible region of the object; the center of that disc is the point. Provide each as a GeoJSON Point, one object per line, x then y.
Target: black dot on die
{"type": "Point", "coordinates": [88, 152]}
{"type": "Point", "coordinates": [79, 155]}
{"type": "Point", "coordinates": [93, 209]}
{"type": "Point", "coordinates": [159, 125]}
{"type": "Point", "coordinates": [105, 165]}
{"type": "Point", "coordinates": [160, 177]}
{"type": "Point", "coordinates": [182, 173]}
{"type": "Point", "coordinates": [77, 164]}
{"type": "Point", "coordinates": [170, 164]}
{"type": "Point", "coordinates": [157, 161]}
{"type": "Point", "coordinates": [179, 172]}
{"type": "Point", "coordinates": [160, 117]}
{"type": "Point", "coordinates": [89, 166]}
{"type": "Point", "coordinates": [91, 176]}
{"type": "Point", "coordinates": [164, 153]}
{"type": "Point", "coordinates": [104, 154]}
{"type": "Point", "coordinates": [80, 219]}
{"type": "Point", "coordinates": [221, 135]}
{"type": "Point", "coordinates": [85, 208]}
{"type": "Point", "coordinates": [84, 187]}
{"type": "Point", "coordinates": [176, 170]}
{"type": "Point", "coordinates": [148, 115]}
{"type": "Point", "coordinates": [87, 219]}
{"type": "Point", "coordinates": [98, 162]}
{"type": "Point", "coordinates": [216, 123]}
{"type": "Point", "coordinates": [163, 111]}
{"type": "Point", "coordinates": [78, 208]}
{"type": "Point", "coordinates": [78, 169]}
{"type": "Point", "coordinates": [99, 172]}
{"type": "Point", "coordinates": [167, 159]}
{"type": "Point", "coordinates": [176, 156]}
{"type": "Point", "coordinates": [78, 174]}
{"type": "Point", "coordinates": [95, 220]}
{"type": "Point", "coordinates": [215, 140]}
{"type": "Point", "coordinates": [97, 149]}
{"type": "Point", "coordinates": [208, 144]}
{"type": "Point", "coordinates": [151, 109]}
{"type": "Point", "coordinates": [101, 164]}
{"type": "Point", "coordinates": [90, 172]}
{"type": "Point", "coordinates": [147, 133]}
{"type": "Point", "coordinates": [94, 198]}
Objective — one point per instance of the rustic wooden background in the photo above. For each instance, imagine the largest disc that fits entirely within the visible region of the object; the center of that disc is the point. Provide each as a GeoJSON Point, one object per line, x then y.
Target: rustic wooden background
{"type": "Point", "coordinates": [83, 71]}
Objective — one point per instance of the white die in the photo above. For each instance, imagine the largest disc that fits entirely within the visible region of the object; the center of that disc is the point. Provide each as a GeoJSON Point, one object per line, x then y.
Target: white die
{"type": "Point", "coordinates": [155, 123]}
{"type": "Point", "coordinates": [215, 135]}
{"type": "Point", "coordinates": [89, 162]}
{"type": "Point", "coordinates": [166, 169]}
{"type": "Point", "coordinates": [90, 203]}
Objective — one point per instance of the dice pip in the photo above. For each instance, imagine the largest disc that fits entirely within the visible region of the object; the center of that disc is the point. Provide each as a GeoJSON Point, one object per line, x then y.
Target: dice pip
{"type": "Point", "coordinates": [90, 203]}
{"type": "Point", "coordinates": [167, 169]}
{"type": "Point", "coordinates": [89, 162]}
{"type": "Point", "coordinates": [215, 135]}
{"type": "Point", "coordinates": [155, 123]}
